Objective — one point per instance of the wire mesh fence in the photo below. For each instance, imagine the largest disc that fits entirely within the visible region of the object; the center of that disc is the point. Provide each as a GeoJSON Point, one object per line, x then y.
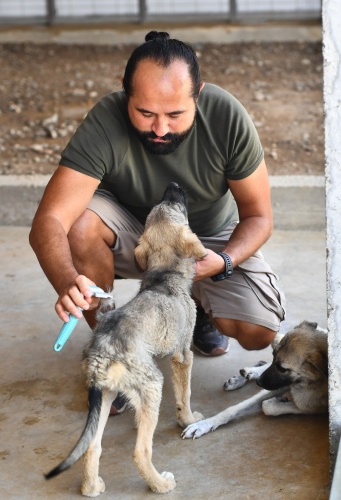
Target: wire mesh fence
{"type": "Point", "coordinates": [54, 11]}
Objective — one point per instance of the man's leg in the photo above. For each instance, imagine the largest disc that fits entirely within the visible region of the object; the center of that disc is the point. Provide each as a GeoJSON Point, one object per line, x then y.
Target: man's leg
{"type": "Point", "coordinates": [250, 336]}
{"type": "Point", "coordinates": [206, 338]}
{"type": "Point", "coordinates": [211, 335]}
{"type": "Point", "coordinates": [248, 306]}
{"type": "Point", "coordinates": [91, 242]}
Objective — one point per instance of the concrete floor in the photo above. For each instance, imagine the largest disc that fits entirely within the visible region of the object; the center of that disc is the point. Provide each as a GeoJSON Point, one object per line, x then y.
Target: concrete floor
{"type": "Point", "coordinates": [43, 399]}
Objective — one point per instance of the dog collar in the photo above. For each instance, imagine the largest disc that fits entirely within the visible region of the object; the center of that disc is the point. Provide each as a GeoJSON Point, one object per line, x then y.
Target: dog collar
{"type": "Point", "coordinates": [228, 268]}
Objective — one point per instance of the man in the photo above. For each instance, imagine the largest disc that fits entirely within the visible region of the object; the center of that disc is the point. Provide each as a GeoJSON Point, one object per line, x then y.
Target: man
{"type": "Point", "coordinates": [166, 125]}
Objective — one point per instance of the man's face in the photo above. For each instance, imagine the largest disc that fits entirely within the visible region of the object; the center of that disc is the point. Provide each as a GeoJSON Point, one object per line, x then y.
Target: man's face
{"type": "Point", "coordinates": [161, 108]}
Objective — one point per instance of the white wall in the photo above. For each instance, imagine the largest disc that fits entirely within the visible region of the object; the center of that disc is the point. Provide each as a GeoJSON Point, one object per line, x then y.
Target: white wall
{"type": "Point", "coordinates": [332, 99]}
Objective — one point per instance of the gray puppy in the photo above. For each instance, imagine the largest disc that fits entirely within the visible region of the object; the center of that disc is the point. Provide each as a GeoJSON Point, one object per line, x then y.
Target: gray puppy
{"type": "Point", "coordinates": [295, 382]}
{"type": "Point", "coordinates": [159, 321]}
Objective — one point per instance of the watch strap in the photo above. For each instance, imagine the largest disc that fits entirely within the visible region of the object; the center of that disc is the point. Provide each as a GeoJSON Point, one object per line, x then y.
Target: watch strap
{"type": "Point", "coordinates": [228, 268]}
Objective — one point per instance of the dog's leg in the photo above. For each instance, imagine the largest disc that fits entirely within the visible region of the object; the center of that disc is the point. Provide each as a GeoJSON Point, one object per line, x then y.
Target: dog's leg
{"type": "Point", "coordinates": [182, 368]}
{"type": "Point", "coordinates": [198, 429]}
{"type": "Point", "coordinates": [250, 373]}
{"type": "Point", "coordinates": [147, 416]}
{"type": "Point", "coordinates": [247, 373]}
{"type": "Point", "coordinates": [279, 406]}
{"type": "Point", "coordinates": [256, 371]}
{"type": "Point", "coordinates": [93, 484]}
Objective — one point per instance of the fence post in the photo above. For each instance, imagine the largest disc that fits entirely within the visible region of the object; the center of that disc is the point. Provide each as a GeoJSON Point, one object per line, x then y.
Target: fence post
{"type": "Point", "coordinates": [50, 12]}
{"type": "Point", "coordinates": [142, 11]}
{"type": "Point", "coordinates": [233, 9]}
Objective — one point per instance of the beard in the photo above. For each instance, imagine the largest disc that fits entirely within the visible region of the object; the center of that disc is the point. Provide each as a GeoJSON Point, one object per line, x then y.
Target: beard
{"type": "Point", "coordinates": [162, 148]}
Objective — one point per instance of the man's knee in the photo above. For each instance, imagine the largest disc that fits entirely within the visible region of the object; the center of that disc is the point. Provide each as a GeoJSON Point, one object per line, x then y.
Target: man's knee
{"type": "Point", "coordinates": [250, 336]}
{"type": "Point", "coordinates": [87, 231]}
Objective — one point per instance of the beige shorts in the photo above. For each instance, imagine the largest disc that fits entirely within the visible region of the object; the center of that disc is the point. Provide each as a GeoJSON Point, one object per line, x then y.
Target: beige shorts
{"type": "Point", "coordinates": [251, 294]}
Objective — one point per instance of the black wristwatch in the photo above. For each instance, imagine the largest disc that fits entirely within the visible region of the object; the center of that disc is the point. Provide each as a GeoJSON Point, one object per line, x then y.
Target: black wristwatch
{"type": "Point", "coordinates": [228, 268]}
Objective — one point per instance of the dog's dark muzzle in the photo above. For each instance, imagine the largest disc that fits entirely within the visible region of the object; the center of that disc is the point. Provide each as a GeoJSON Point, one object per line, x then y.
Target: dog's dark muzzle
{"type": "Point", "coordinates": [272, 379]}
{"type": "Point", "coordinates": [175, 194]}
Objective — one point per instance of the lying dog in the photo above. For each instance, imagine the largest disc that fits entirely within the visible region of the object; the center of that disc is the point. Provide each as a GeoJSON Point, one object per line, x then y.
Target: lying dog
{"type": "Point", "coordinates": [295, 382]}
{"type": "Point", "coordinates": [159, 321]}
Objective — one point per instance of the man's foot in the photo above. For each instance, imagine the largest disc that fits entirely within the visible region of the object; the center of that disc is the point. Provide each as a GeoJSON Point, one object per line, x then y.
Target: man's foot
{"type": "Point", "coordinates": [119, 404]}
{"type": "Point", "coordinates": [206, 339]}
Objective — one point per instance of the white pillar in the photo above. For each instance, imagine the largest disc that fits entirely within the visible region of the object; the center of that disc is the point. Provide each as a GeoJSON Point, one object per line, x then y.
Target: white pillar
{"type": "Point", "coordinates": [331, 16]}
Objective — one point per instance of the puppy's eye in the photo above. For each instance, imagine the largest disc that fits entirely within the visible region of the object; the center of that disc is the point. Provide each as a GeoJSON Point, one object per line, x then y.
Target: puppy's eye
{"type": "Point", "coordinates": [281, 369]}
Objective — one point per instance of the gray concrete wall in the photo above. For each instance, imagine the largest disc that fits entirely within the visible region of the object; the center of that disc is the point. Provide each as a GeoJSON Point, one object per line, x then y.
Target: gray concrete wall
{"type": "Point", "coordinates": [332, 105]}
{"type": "Point", "coordinates": [298, 201]}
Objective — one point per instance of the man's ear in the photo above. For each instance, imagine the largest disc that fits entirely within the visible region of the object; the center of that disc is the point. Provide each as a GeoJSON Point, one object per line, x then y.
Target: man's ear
{"type": "Point", "coordinates": [202, 85]}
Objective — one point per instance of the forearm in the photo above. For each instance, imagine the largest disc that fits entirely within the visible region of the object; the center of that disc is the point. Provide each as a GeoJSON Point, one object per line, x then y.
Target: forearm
{"type": "Point", "coordinates": [252, 196]}
{"type": "Point", "coordinates": [249, 235]}
{"type": "Point", "coordinates": [50, 244]}
{"type": "Point", "coordinates": [253, 200]}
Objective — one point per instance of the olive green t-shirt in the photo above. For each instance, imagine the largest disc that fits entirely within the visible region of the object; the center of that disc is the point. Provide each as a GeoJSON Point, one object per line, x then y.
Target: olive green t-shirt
{"type": "Point", "coordinates": [223, 144]}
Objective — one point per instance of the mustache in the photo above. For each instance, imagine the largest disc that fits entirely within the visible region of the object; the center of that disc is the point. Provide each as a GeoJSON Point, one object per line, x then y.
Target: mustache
{"type": "Point", "coordinates": [152, 135]}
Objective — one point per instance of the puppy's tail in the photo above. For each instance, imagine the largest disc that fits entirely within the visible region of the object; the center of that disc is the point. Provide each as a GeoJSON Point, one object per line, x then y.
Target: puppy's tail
{"type": "Point", "coordinates": [95, 403]}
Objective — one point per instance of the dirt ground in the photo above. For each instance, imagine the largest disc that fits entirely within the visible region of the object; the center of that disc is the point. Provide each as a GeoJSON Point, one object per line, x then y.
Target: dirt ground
{"type": "Point", "coordinates": [45, 91]}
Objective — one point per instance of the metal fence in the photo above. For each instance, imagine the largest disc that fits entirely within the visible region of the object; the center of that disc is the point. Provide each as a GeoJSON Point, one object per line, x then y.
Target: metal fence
{"type": "Point", "coordinates": [115, 11]}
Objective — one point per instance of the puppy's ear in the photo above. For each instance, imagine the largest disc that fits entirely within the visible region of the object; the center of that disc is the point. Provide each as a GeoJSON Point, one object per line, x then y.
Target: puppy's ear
{"type": "Point", "coordinates": [141, 256]}
{"type": "Point", "coordinates": [190, 245]}
{"type": "Point", "coordinates": [308, 325]}
{"type": "Point", "coordinates": [318, 361]}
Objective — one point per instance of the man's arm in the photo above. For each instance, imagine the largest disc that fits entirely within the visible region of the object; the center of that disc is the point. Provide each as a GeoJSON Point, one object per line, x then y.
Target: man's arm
{"type": "Point", "coordinates": [65, 199]}
{"type": "Point", "coordinates": [252, 196]}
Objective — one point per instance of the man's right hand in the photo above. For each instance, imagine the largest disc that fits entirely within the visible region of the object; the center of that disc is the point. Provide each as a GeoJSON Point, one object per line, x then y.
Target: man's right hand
{"type": "Point", "coordinates": [75, 297]}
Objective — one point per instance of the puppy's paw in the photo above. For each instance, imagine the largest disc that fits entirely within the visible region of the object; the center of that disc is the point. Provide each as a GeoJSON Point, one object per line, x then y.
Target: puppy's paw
{"type": "Point", "coordinates": [248, 373]}
{"type": "Point", "coordinates": [198, 429]}
{"type": "Point", "coordinates": [234, 383]}
{"type": "Point", "coordinates": [253, 372]}
{"type": "Point", "coordinates": [197, 416]}
{"type": "Point", "coordinates": [165, 484]}
{"type": "Point", "coordinates": [94, 489]}
{"type": "Point", "coordinates": [274, 406]}
{"type": "Point", "coordinates": [185, 419]}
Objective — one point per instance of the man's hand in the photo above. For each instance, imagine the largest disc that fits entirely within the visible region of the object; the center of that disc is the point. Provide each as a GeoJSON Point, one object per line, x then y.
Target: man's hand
{"type": "Point", "coordinates": [75, 296]}
{"type": "Point", "coordinates": [209, 266]}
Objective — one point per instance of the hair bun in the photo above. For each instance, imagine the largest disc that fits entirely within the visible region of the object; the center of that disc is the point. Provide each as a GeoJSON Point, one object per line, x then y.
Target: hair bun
{"type": "Point", "coordinates": [152, 35]}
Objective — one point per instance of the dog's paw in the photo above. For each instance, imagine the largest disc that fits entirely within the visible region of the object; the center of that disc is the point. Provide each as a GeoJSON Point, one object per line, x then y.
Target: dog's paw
{"type": "Point", "coordinates": [189, 418]}
{"type": "Point", "coordinates": [274, 406]}
{"type": "Point", "coordinates": [253, 372]}
{"type": "Point", "coordinates": [198, 429]}
{"type": "Point", "coordinates": [94, 489]}
{"type": "Point", "coordinates": [197, 416]}
{"type": "Point", "coordinates": [165, 484]}
{"type": "Point", "coordinates": [249, 373]}
{"type": "Point", "coordinates": [234, 383]}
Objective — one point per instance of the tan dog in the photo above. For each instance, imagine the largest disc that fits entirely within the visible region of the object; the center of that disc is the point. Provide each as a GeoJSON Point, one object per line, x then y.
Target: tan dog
{"type": "Point", "coordinates": [159, 321]}
{"type": "Point", "coordinates": [295, 382]}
